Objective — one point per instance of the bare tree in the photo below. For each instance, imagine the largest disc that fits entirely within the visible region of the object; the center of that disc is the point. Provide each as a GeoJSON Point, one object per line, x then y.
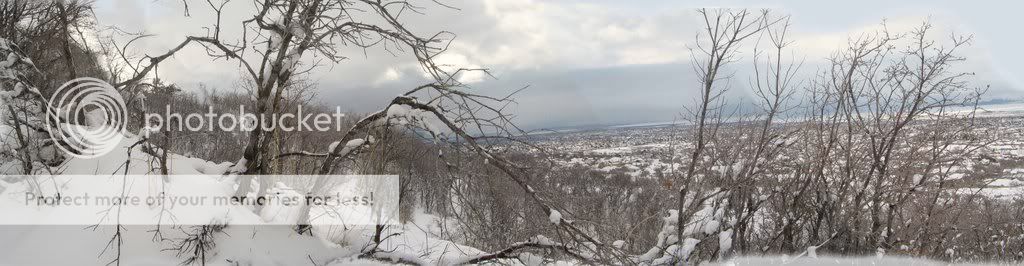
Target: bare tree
{"type": "Point", "coordinates": [724, 31]}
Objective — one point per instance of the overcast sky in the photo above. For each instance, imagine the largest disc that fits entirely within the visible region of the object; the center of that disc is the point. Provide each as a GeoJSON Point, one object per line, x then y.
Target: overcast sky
{"type": "Point", "coordinates": [586, 62]}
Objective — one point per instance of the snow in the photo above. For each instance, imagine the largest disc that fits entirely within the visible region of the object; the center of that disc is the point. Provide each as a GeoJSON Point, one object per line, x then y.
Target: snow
{"type": "Point", "coordinates": [279, 212]}
{"type": "Point", "coordinates": [1000, 188]}
{"type": "Point", "coordinates": [349, 146]}
{"type": "Point", "coordinates": [354, 143]}
{"type": "Point", "coordinates": [239, 167]}
{"type": "Point", "coordinates": [423, 236]}
{"type": "Point", "coordinates": [668, 249]}
{"type": "Point", "coordinates": [398, 257]}
{"type": "Point", "coordinates": [619, 244]}
{"type": "Point", "coordinates": [828, 260]}
{"type": "Point", "coordinates": [12, 59]}
{"type": "Point", "coordinates": [529, 259]}
{"type": "Point", "coordinates": [406, 115]}
{"type": "Point", "coordinates": [246, 240]}
{"type": "Point", "coordinates": [291, 60]}
{"type": "Point", "coordinates": [207, 168]}
{"type": "Point", "coordinates": [543, 240]}
{"type": "Point", "coordinates": [10, 71]}
{"type": "Point", "coordinates": [711, 227]}
{"type": "Point", "coordinates": [555, 217]}
{"type": "Point", "coordinates": [18, 89]}
{"type": "Point", "coordinates": [670, 255]}
{"type": "Point", "coordinates": [96, 117]}
{"type": "Point", "coordinates": [37, 245]}
{"type": "Point", "coordinates": [238, 242]}
{"type": "Point", "coordinates": [725, 241]}
{"type": "Point", "coordinates": [627, 149]}
{"type": "Point", "coordinates": [688, 246]}
{"type": "Point", "coordinates": [147, 131]}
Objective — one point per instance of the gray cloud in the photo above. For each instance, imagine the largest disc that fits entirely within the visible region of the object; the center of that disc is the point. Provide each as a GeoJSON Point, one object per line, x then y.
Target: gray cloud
{"type": "Point", "coordinates": [586, 62]}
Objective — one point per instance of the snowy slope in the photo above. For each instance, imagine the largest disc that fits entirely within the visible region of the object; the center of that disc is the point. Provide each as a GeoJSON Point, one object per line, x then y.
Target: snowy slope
{"type": "Point", "coordinates": [236, 244]}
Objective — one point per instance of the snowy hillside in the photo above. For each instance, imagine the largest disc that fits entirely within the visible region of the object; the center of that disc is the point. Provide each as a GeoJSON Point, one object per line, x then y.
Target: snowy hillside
{"type": "Point", "coordinates": [234, 234]}
{"type": "Point", "coordinates": [403, 132]}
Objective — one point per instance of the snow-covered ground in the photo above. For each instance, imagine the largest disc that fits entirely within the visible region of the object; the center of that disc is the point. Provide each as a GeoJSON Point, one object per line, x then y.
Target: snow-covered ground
{"type": "Point", "coordinates": [837, 261]}
{"type": "Point", "coordinates": [243, 241]}
{"type": "Point", "coordinates": [639, 150]}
